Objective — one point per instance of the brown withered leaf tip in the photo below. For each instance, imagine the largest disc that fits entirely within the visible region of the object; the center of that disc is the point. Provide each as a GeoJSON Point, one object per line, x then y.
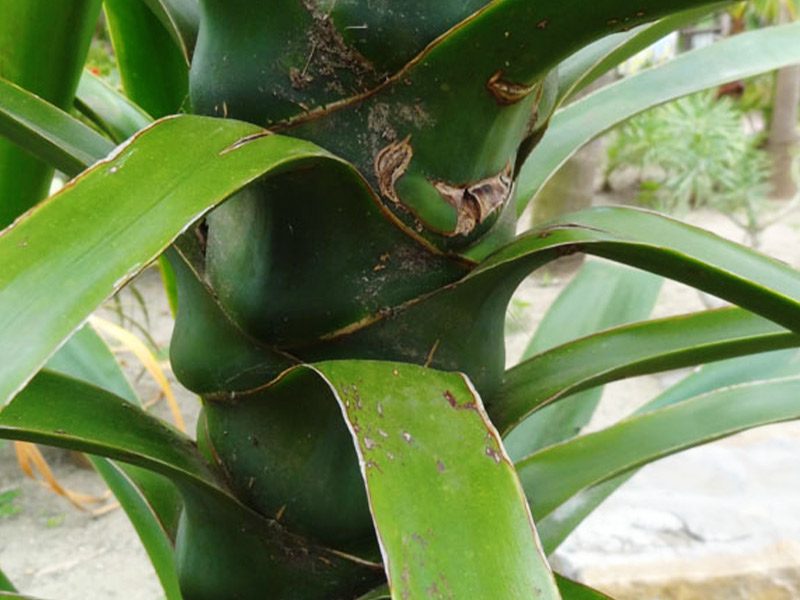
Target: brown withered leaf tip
{"type": "Point", "coordinates": [390, 165]}
{"type": "Point", "coordinates": [476, 202]}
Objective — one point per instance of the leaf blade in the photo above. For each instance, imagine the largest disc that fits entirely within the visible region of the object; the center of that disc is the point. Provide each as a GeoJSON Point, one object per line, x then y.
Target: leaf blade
{"type": "Point", "coordinates": [381, 403]}
{"type": "Point", "coordinates": [618, 295]}
{"type": "Point", "coordinates": [48, 132]}
{"type": "Point", "coordinates": [159, 211]}
{"type": "Point", "coordinates": [108, 109]}
{"type": "Point", "coordinates": [555, 528]}
{"type": "Point", "coordinates": [738, 57]}
{"type": "Point", "coordinates": [591, 62]}
{"type": "Point", "coordinates": [555, 474]}
{"type": "Point", "coordinates": [637, 349]}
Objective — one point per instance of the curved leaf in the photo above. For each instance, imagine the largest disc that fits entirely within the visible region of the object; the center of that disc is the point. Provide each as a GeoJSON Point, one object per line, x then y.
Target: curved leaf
{"type": "Point", "coordinates": [151, 502]}
{"type": "Point", "coordinates": [463, 321]}
{"type": "Point", "coordinates": [48, 132]}
{"type": "Point", "coordinates": [660, 245]}
{"type": "Point", "coordinates": [439, 486]}
{"type": "Point", "coordinates": [98, 422]}
{"type": "Point", "coordinates": [261, 554]}
{"type": "Point", "coordinates": [594, 60]}
{"type": "Point", "coordinates": [154, 71]}
{"type": "Point", "coordinates": [108, 109]}
{"type": "Point", "coordinates": [555, 528]}
{"type": "Point", "coordinates": [49, 69]}
{"type": "Point", "coordinates": [181, 19]}
{"type": "Point", "coordinates": [145, 520]}
{"type": "Point", "coordinates": [601, 295]}
{"type": "Point", "coordinates": [478, 88]}
{"type": "Point", "coordinates": [735, 58]}
{"type": "Point", "coordinates": [632, 350]}
{"type": "Point", "coordinates": [555, 474]}
{"type": "Point", "coordinates": [200, 162]}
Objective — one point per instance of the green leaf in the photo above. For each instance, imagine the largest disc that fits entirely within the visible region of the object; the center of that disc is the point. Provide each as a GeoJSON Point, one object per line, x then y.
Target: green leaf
{"type": "Point", "coordinates": [14, 596]}
{"type": "Point", "coordinates": [108, 109]}
{"type": "Point", "coordinates": [596, 59]}
{"type": "Point", "coordinates": [181, 19]}
{"type": "Point", "coordinates": [660, 245]}
{"type": "Point", "coordinates": [49, 69]}
{"type": "Point", "coordinates": [381, 593]}
{"type": "Point", "coordinates": [555, 474]}
{"type": "Point", "coordinates": [5, 583]}
{"type": "Point", "coordinates": [47, 132]}
{"type": "Point", "coordinates": [464, 320]}
{"type": "Point", "coordinates": [151, 502]}
{"type": "Point", "coordinates": [86, 357]}
{"type": "Point", "coordinates": [154, 70]}
{"type": "Point", "coordinates": [735, 58]}
{"type": "Point", "coordinates": [601, 295]}
{"type": "Point", "coordinates": [260, 554]}
{"type": "Point", "coordinates": [442, 490]}
{"type": "Point", "coordinates": [147, 522]}
{"type": "Point", "coordinates": [572, 590]}
{"type": "Point", "coordinates": [633, 350]}
{"type": "Point", "coordinates": [770, 365]}
{"type": "Point", "coordinates": [165, 179]}
{"type": "Point", "coordinates": [98, 422]}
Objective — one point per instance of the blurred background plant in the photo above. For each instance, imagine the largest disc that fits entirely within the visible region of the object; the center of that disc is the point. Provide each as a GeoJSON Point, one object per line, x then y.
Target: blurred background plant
{"type": "Point", "coordinates": [100, 60]}
{"type": "Point", "coordinates": [696, 153]}
{"type": "Point", "coordinates": [781, 106]}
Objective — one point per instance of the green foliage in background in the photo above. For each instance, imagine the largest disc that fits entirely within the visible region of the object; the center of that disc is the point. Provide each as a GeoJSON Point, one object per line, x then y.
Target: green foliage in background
{"type": "Point", "coordinates": [693, 153]}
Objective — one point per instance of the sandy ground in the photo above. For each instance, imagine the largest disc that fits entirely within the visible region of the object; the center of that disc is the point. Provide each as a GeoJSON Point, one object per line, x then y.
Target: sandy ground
{"type": "Point", "coordinates": [722, 502]}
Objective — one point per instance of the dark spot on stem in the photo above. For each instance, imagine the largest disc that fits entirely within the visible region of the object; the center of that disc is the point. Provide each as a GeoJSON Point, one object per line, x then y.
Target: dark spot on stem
{"type": "Point", "coordinates": [474, 203]}
{"type": "Point", "coordinates": [390, 165]}
{"type": "Point", "coordinates": [506, 92]}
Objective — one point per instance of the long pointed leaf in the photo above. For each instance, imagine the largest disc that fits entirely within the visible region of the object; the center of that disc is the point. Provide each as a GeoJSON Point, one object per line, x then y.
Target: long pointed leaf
{"type": "Point", "coordinates": [98, 422]}
{"type": "Point", "coordinates": [442, 490]}
{"type": "Point", "coordinates": [555, 474]}
{"type": "Point", "coordinates": [48, 68]}
{"type": "Point", "coordinates": [108, 109]}
{"type": "Point", "coordinates": [161, 182]}
{"type": "Point", "coordinates": [601, 295]}
{"type": "Point", "coordinates": [654, 243]}
{"type": "Point", "coordinates": [153, 69]}
{"type": "Point", "coordinates": [737, 57]}
{"type": "Point", "coordinates": [146, 521]}
{"type": "Point", "coordinates": [48, 132]}
{"type": "Point", "coordinates": [555, 528]}
{"type": "Point", "coordinates": [181, 19]}
{"type": "Point", "coordinates": [589, 63]}
{"type": "Point", "coordinates": [151, 502]}
{"type": "Point", "coordinates": [633, 350]}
